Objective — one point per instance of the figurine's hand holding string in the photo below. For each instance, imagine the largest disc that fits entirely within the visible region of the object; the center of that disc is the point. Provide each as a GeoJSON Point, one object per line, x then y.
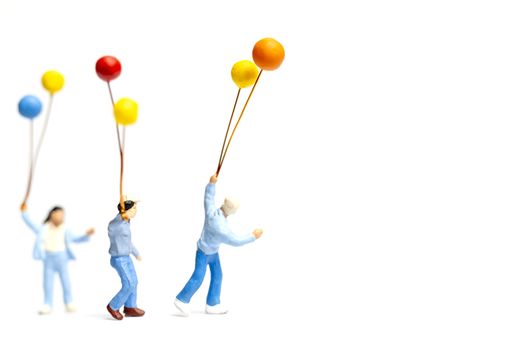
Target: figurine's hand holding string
{"type": "Point", "coordinates": [213, 179]}
{"type": "Point", "coordinates": [257, 233]}
{"type": "Point", "coordinates": [90, 231]}
{"type": "Point", "coordinates": [23, 207]}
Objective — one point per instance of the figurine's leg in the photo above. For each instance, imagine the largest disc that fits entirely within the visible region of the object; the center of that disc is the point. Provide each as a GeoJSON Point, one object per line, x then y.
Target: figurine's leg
{"type": "Point", "coordinates": [214, 293]}
{"type": "Point", "coordinates": [122, 265]}
{"type": "Point", "coordinates": [196, 278]}
{"type": "Point", "coordinates": [63, 272]}
{"type": "Point", "coordinates": [131, 302]}
{"type": "Point", "coordinates": [49, 277]}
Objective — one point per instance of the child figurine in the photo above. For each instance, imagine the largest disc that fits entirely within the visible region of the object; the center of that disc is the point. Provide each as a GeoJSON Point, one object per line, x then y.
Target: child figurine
{"type": "Point", "coordinates": [120, 249]}
{"type": "Point", "coordinates": [53, 247]}
{"type": "Point", "coordinates": [214, 233]}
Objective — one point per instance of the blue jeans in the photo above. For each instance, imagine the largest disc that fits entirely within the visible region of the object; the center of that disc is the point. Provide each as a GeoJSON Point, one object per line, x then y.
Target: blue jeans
{"type": "Point", "coordinates": [214, 293]}
{"type": "Point", "coordinates": [127, 295]}
{"type": "Point", "coordinates": [56, 263]}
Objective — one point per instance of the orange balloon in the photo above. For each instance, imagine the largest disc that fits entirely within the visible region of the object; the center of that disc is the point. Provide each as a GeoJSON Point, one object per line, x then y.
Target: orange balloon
{"type": "Point", "coordinates": [268, 54]}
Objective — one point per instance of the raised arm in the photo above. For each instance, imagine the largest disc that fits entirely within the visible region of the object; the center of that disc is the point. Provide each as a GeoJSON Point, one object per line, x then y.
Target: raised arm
{"type": "Point", "coordinates": [209, 196]}
{"type": "Point", "coordinates": [29, 222]}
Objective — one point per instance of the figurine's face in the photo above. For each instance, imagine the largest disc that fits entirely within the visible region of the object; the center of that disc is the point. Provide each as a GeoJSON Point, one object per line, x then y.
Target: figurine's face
{"type": "Point", "coordinates": [57, 217]}
{"type": "Point", "coordinates": [132, 212]}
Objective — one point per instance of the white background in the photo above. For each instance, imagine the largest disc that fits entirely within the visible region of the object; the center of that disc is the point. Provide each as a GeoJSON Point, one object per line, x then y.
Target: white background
{"type": "Point", "coordinates": [384, 160]}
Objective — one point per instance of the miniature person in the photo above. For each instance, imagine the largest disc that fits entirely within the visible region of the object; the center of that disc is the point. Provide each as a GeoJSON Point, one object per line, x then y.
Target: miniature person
{"type": "Point", "coordinates": [120, 250]}
{"type": "Point", "coordinates": [214, 233]}
{"type": "Point", "coordinates": [53, 247]}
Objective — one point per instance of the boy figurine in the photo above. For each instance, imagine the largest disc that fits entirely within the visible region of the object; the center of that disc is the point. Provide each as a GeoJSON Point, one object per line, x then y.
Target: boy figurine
{"type": "Point", "coordinates": [214, 233]}
{"type": "Point", "coordinates": [120, 249]}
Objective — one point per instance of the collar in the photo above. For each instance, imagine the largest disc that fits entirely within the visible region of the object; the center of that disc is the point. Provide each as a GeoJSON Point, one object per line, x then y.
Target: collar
{"type": "Point", "coordinates": [119, 218]}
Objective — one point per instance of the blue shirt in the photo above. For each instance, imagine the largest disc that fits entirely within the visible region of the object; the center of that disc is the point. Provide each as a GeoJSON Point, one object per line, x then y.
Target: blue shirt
{"type": "Point", "coordinates": [119, 234]}
{"type": "Point", "coordinates": [216, 230]}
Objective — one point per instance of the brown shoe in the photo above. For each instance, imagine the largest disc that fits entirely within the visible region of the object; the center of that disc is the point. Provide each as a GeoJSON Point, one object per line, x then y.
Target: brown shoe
{"type": "Point", "coordinates": [133, 312]}
{"type": "Point", "coordinates": [115, 313]}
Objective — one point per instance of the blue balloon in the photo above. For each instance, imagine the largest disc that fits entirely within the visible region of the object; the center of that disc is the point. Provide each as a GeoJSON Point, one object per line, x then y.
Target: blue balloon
{"type": "Point", "coordinates": [29, 106]}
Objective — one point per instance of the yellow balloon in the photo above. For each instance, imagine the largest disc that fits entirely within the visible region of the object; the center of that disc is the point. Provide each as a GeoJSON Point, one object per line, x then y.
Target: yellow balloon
{"type": "Point", "coordinates": [53, 81]}
{"type": "Point", "coordinates": [244, 73]}
{"type": "Point", "coordinates": [126, 111]}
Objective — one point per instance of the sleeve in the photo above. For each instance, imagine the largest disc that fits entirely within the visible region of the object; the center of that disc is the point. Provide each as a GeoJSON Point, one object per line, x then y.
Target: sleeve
{"type": "Point", "coordinates": [78, 239]}
{"type": "Point", "coordinates": [29, 222]}
{"type": "Point", "coordinates": [233, 240]}
{"type": "Point", "coordinates": [209, 199]}
{"type": "Point", "coordinates": [134, 251]}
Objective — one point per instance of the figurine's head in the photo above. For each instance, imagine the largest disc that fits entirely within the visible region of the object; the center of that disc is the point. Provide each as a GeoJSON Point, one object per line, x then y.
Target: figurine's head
{"type": "Point", "coordinates": [130, 208]}
{"type": "Point", "coordinates": [55, 216]}
{"type": "Point", "coordinates": [230, 206]}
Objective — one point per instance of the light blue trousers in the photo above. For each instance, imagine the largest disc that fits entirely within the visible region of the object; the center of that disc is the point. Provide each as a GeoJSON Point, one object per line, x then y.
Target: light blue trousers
{"type": "Point", "coordinates": [214, 292]}
{"type": "Point", "coordinates": [127, 295]}
{"type": "Point", "coordinates": [56, 263]}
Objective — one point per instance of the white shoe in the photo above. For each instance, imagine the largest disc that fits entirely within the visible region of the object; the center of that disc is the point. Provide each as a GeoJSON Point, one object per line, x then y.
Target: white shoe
{"type": "Point", "coordinates": [45, 310]}
{"type": "Point", "coordinates": [71, 308]}
{"type": "Point", "coordinates": [216, 310]}
{"type": "Point", "coordinates": [183, 307]}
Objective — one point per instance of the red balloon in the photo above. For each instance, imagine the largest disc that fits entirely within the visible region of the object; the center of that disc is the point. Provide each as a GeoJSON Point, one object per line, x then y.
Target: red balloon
{"type": "Point", "coordinates": [108, 68]}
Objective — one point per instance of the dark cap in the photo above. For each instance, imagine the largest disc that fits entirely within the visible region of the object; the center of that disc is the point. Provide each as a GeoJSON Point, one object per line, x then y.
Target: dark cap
{"type": "Point", "coordinates": [127, 205]}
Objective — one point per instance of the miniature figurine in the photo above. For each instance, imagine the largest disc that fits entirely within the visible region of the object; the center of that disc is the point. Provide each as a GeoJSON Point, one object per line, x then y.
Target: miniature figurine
{"type": "Point", "coordinates": [53, 247]}
{"type": "Point", "coordinates": [120, 250]}
{"type": "Point", "coordinates": [214, 233]}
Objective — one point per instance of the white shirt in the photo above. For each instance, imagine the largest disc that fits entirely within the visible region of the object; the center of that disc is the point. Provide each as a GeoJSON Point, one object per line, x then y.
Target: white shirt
{"type": "Point", "coordinates": [54, 238]}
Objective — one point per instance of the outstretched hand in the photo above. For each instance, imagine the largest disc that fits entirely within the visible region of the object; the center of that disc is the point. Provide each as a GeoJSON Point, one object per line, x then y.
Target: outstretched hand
{"type": "Point", "coordinates": [257, 233]}
{"type": "Point", "coordinates": [213, 179]}
{"type": "Point", "coordinates": [139, 258]}
{"type": "Point", "coordinates": [23, 207]}
{"type": "Point", "coordinates": [90, 231]}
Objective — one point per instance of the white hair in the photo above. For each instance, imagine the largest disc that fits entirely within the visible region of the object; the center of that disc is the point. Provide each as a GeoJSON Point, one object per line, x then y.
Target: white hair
{"type": "Point", "coordinates": [230, 206]}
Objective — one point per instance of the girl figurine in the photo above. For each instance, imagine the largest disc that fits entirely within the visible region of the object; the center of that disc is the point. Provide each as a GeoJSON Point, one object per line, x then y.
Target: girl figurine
{"type": "Point", "coordinates": [53, 247]}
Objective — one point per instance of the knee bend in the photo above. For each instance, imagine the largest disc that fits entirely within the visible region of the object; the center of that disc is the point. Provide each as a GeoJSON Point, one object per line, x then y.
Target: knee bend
{"type": "Point", "coordinates": [197, 276]}
{"type": "Point", "coordinates": [133, 284]}
{"type": "Point", "coordinates": [130, 285]}
{"type": "Point", "coordinates": [196, 279]}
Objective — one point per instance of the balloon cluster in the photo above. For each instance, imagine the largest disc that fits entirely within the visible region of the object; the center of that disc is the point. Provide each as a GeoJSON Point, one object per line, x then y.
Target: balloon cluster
{"type": "Point", "coordinates": [125, 110]}
{"type": "Point", "coordinates": [268, 54]}
{"type": "Point", "coordinates": [30, 107]}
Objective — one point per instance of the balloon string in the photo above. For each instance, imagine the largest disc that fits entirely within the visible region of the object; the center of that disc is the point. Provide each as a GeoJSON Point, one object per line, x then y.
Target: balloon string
{"type": "Point", "coordinates": [123, 209]}
{"type": "Point", "coordinates": [123, 139]}
{"type": "Point", "coordinates": [116, 124]}
{"type": "Point", "coordinates": [33, 156]}
{"type": "Point", "coordinates": [30, 177]}
{"type": "Point", "coordinates": [111, 94]}
{"type": "Point", "coordinates": [227, 131]}
{"type": "Point", "coordinates": [238, 121]}
{"type": "Point", "coordinates": [43, 133]}
{"type": "Point", "coordinates": [121, 152]}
